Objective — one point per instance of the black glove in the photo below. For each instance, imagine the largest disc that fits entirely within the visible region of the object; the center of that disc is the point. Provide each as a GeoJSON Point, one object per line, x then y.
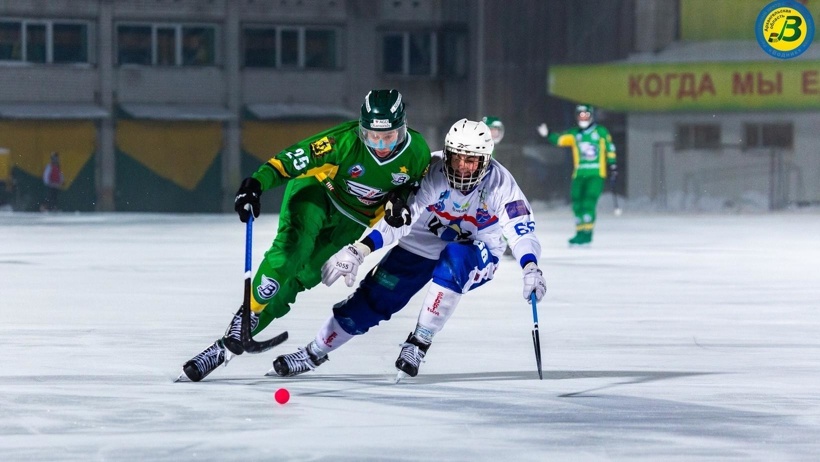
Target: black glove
{"type": "Point", "coordinates": [248, 194]}
{"type": "Point", "coordinates": [613, 173]}
{"type": "Point", "coordinates": [396, 212]}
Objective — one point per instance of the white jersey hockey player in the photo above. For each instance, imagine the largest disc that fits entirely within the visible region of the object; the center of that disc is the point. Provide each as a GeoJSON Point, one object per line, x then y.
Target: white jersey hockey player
{"type": "Point", "coordinates": [465, 208]}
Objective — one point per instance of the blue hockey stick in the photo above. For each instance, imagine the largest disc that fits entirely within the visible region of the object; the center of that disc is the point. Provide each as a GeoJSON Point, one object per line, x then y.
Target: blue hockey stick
{"type": "Point", "coordinates": [536, 339]}
{"type": "Point", "coordinates": [248, 343]}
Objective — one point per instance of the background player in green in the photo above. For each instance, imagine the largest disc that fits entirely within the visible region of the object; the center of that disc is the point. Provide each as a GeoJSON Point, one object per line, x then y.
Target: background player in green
{"type": "Point", "coordinates": [496, 128]}
{"type": "Point", "coordinates": [593, 157]}
{"type": "Point", "coordinates": [339, 182]}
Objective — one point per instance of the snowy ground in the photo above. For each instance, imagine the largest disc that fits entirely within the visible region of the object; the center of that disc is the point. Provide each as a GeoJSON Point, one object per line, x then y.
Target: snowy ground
{"type": "Point", "coordinates": [685, 337]}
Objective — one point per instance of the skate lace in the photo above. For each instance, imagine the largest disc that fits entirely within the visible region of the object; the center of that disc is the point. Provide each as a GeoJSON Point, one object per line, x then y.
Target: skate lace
{"type": "Point", "coordinates": [299, 361]}
{"type": "Point", "coordinates": [235, 330]}
{"type": "Point", "coordinates": [208, 359]}
{"type": "Point", "coordinates": [411, 354]}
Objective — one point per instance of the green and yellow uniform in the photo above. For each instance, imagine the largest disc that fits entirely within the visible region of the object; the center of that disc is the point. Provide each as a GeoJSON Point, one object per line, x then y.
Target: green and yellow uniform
{"type": "Point", "coordinates": [336, 187]}
{"type": "Point", "coordinates": [592, 153]}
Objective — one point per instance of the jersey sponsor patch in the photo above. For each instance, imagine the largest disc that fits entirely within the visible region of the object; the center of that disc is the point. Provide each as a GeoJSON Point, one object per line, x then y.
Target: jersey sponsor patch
{"type": "Point", "coordinates": [482, 215]}
{"type": "Point", "coordinates": [385, 279]}
{"type": "Point", "coordinates": [321, 146]}
{"type": "Point", "coordinates": [365, 194]}
{"type": "Point", "coordinates": [399, 178]}
{"type": "Point", "coordinates": [589, 151]}
{"type": "Point", "coordinates": [460, 208]}
{"type": "Point", "coordinates": [517, 209]}
{"type": "Point", "coordinates": [267, 288]}
{"type": "Point", "coordinates": [355, 171]}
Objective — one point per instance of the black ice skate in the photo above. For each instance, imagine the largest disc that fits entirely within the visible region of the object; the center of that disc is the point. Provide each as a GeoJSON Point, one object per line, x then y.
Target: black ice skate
{"type": "Point", "coordinates": [198, 367]}
{"type": "Point", "coordinates": [411, 356]}
{"type": "Point", "coordinates": [233, 336]}
{"type": "Point", "coordinates": [299, 362]}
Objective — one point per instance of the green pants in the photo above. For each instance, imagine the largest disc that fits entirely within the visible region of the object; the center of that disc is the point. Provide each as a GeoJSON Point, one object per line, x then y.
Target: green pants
{"type": "Point", "coordinates": [584, 192]}
{"type": "Point", "coordinates": [310, 231]}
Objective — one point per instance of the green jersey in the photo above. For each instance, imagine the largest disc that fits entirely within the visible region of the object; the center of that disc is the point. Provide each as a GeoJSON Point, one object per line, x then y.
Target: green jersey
{"type": "Point", "coordinates": [355, 180]}
{"type": "Point", "coordinates": [592, 149]}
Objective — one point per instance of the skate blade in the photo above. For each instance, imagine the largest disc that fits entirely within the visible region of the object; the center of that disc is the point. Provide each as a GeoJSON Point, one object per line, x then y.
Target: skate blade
{"type": "Point", "coordinates": [182, 378]}
{"type": "Point", "coordinates": [400, 376]}
{"type": "Point", "coordinates": [271, 373]}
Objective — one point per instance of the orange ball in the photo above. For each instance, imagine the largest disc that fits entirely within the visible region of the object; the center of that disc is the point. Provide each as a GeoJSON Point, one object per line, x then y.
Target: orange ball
{"type": "Point", "coordinates": [281, 396]}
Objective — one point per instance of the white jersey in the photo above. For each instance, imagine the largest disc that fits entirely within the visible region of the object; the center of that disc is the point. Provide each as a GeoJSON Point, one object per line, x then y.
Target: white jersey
{"type": "Point", "coordinates": [494, 211]}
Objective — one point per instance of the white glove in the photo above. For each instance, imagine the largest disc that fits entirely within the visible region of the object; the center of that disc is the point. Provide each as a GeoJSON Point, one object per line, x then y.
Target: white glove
{"type": "Point", "coordinates": [345, 263]}
{"type": "Point", "coordinates": [534, 282]}
{"type": "Point", "coordinates": [543, 130]}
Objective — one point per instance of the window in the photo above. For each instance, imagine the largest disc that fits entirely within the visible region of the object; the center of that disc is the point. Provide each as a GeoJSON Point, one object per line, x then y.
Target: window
{"type": "Point", "coordinates": [425, 53]}
{"type": "Point", "coordinates": [134, 45]}
{"type": "Point", "coordinates": [780, 135]}
{"type": "Point", "coordinates": [291, 47]}
{"type": "Point", "coordinates": [260, 47]}
{"type": "Point", "coordinates": [36, 43]}
{"type": "Point", "coordinates": [320, 49]}
{"type": "Point", "coordinates": [44, 42]}
{"type": "Point", "coordinates": [198, 46]}
{"type": "Point", "coordinates": [11, 48]}
{"type": "Point", "coordinates": [697, 136]}
{"type": "Point", "coordinates": [70, 43]}
{"type": "Point", "coordinates": [166, 45]}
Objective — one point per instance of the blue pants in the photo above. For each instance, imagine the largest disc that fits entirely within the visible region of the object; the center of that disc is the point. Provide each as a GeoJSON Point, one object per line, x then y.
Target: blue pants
{"type": "Point", "coordinates": [461, 267]}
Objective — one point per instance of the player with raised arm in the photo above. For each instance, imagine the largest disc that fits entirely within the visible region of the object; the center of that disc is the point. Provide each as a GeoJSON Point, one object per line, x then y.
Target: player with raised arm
{"type": "Point", "coordinates": [465, 208]}
{"type": "Point", "coordinates": [337, 184]}
{"type": "Point", "coordinates": [593, 158]}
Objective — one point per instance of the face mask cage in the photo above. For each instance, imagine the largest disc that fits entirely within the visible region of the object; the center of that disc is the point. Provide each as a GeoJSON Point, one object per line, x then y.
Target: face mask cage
{"type": "Point", "coordinates": [468, 182]}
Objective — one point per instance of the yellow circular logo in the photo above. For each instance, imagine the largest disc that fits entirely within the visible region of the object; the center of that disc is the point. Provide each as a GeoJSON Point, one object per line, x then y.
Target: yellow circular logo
{"type": "Point", "coordinates": [785, 29]}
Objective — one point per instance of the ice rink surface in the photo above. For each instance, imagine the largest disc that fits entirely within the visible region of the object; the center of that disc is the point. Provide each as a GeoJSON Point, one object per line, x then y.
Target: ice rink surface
{"type": "Point", "coordinates": [674, 337]}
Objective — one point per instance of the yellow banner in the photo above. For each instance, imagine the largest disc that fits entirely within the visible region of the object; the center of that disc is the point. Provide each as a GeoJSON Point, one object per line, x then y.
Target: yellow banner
{"type": "Point", "coordinates": [704, 20]}
{"type": "Point", "coordinates": [726, 86]}
{"type": "Point", "coordinates": [181, 152]}
{"type": "Point", "coordinates": [30, 144]}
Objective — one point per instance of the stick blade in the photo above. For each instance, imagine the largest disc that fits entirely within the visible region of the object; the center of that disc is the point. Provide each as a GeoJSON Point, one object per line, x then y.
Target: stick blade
{"type": "Point", "coordinates": [536, 344]}
{"type": "Point", "coordinates": [254, 347]}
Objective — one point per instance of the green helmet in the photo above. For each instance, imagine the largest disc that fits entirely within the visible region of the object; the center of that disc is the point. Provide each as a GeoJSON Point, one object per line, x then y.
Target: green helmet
{"type": "Point", "coordinates": [496, 128]}
{"type": "Point", "coordinates": [382, 112]}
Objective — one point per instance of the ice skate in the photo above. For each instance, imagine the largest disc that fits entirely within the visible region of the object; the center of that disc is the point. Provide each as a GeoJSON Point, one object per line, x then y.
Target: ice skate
{"type": "Point", "coordinates": [582, 239]}
{"type": "Point", "coordinates": [411, 356]}
{"type": "Point", "coordinates": [233, 336]}
{"type": "Point", "coordinates": [301, 361]}
{"type": "Point", "coordinates": [198, 367]}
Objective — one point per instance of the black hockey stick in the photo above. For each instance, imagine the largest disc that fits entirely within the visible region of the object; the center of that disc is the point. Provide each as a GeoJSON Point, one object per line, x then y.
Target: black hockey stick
{"type": "Point", "coordinates": [617, 210]}
{"type": "Point", "coordinates": [248, 343]}
{"type": "Point", "coordinates": [536, 339]}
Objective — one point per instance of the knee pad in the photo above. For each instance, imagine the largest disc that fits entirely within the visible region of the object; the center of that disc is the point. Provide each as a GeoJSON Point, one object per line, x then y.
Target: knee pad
{"type": "Point", "coordinates": [459, 263]}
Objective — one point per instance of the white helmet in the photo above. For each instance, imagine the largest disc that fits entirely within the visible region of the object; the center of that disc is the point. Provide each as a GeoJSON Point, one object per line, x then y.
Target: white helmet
{"type": "Point", "coordinates": [471, 139]}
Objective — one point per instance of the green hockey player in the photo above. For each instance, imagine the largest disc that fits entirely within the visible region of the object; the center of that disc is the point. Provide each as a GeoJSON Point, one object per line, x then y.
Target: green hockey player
{"type": "Point", "coordinates": [338, 183]}
{"type": "Point", "coordinates": [593, 158]}
{"type": "Point", "coordinates": [496, 128]}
